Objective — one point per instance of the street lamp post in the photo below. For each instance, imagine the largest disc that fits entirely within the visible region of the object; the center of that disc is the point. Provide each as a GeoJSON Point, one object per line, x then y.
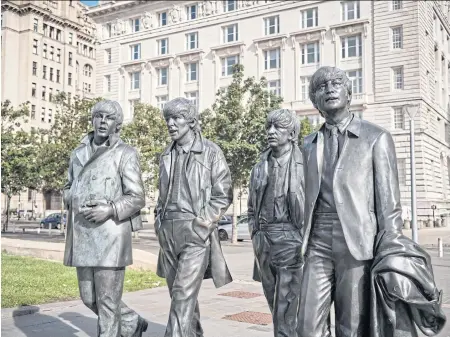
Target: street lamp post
{"type": "Point", "coordinates": [412, 110]}
{"type": "Point", "coordinates": [433, 207]}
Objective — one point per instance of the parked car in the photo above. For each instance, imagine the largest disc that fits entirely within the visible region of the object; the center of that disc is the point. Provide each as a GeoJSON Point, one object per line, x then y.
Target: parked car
{"type": "Point", "coordinates": [54, 219]}
{"type": "Point", "coordinates": [225, 230]}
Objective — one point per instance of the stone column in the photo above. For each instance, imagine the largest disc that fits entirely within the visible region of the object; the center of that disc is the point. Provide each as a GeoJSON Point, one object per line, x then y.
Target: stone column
{"type": "Point", "coordinates": [296, 69]}
{"type": "Point", "coordinates": [200, 81]}
{"type": "Point", "coordinates": [214, 60]}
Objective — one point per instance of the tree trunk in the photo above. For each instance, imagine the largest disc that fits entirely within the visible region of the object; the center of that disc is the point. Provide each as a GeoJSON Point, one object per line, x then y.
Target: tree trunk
{"type": "Point", "coordinates": [234, 223]}
{"type": "Point", "coordinates": [8, 207]}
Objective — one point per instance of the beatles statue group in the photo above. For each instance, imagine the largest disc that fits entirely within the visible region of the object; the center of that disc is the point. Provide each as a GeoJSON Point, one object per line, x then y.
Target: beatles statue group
{"type": "Point", "coordinates": [325, 222]}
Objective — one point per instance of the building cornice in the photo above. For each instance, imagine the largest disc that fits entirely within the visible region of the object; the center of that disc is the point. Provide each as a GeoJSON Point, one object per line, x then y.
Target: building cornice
{"type": "Point", "coordinates": [106, 9]}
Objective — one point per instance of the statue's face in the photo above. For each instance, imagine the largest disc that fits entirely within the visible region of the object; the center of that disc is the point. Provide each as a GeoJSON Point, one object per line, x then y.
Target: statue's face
{"type": "Point", "coordinates": [105, 124]}
{"type": "Point", "coordinates": [332, 95]}
{"type": "Point", "coordinates": [277, 136]}
{"type": "Point", "coordinates": [177, 126]}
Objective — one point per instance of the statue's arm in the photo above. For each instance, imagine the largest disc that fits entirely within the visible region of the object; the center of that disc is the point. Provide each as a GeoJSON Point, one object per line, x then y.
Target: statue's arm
{"type": "Point", "coordinates": [250, 207]}
{"type": "Point", "coordinates": [133, 197]}
{"type": "Point", "coordinates": [387, 193]}
{"type": "Point", "coordinates": [221, 198]}
{"type": "Point", "coordinates": [67, 196]}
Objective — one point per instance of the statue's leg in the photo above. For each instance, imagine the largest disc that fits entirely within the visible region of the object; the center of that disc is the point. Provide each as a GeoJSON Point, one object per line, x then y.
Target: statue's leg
{"type": "Point", "coordinates": [193, 258]}
{"type": "Point", "coordinates": [352, 296]}
{"type": "Point", "coordinates": [317, 285]}
{"type": "Point", "coordinates": [108, 291]}
{"type": "Point", "coordinates": [285, 248]}
{"type": "Point", "coordinates": [86, 286]}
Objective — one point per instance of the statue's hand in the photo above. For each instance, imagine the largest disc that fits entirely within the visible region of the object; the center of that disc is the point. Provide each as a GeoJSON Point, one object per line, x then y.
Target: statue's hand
{"type": "Point", "coordinates": [99, 213]}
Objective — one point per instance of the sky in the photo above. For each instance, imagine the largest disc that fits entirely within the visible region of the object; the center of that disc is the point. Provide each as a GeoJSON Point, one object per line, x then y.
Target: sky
{"type": "Point", "coordinates": [90, 2]}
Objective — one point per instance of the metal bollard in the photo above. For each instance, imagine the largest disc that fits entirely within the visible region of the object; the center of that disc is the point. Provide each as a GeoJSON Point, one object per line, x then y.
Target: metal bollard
{"type": "Point", "coordinates": [440, 248]}
{"type": "Point", "coordinates": [136, 235]}
{"type": "Point", "coordinates": [39, 229]}
{"type": "Point", "coordinates": [14, 227]}
{"type": "Point", "coordinates": [50, 229]}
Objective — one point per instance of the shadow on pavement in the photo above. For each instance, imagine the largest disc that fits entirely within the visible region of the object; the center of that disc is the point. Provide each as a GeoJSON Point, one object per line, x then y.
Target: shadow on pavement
{"type": "Point", "coordinates": [38, 324]}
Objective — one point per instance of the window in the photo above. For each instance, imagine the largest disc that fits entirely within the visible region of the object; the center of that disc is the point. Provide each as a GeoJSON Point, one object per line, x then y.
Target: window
{"type": "Point", "coordinates": [191, 41]}
{"type": "Point", "coordinates": [355, 76]}
{"type": "Point", "coordinates": [135, 80]}
{"type": "Point", "coordinates": [44, 72]}
{"type": "Point", "coordinates": [91, 52]}
{"type": "Point", "coordinates": [36, 25]}
{"type": "Point", "coordinates": [43, 93]}
{"type": "Point", "coordinates": [58, 35]}
{"type": "Point", "coordinates": [350, 10]}
{"type": "Point", "coordinates": [70, 58]}
{"type": "Point", "coordinates": [162, 76]}
{"type": "Point", "coordinates": [136, 51]}
{"type": "Point", "coordinates": [85, 50]}
{"type": "Point", "coordinates": [163, 47]}
{"type": "Point", "coordinates": [58, 76]}
{"type": "Point", "coordinates": [399, 118]}
{"type": "Point", "coordinates": [33, 112]}
{"type": "Point", "coordinates": [351, 46]}
{"type": "Point", "coordinates": [42, 114]}
{"type": "Point", "coordinates": [193, 97]}
{"type": "Point", "coordinates": [69, 97]}
{"type": "Point", "coordinates": [107, 87]}
{"type": "Point", "coordinates": [45, 29]}
{"type": "Point", "coordinates": [49, 115]}
{"type": "Point", "coordinates": [447, 132]}
{"type": "Point", "coordinates": [162, 19]}
{"type": "Point", "coordinates": [397, 37]}
{"type": "Point", "coordinates": [34, 72]}
{"type": "Point", "coordinates": [310, 53]}
{"type": "Point", "coordinates": [191, 12]}
{"type": "Point", "coordinates": [87, 70]}
{"type": "Point", "coordinates": [310, 17]}
{"type": "Point", "coordinates": [397, 4]}
{"type": "Point", "coordinates": [191, 72]}
{"type": "Point", "coordinates": [33, 89]}
{"type": "Point", "coordinates": [108, 55]}
{"type": "Point", "coordinates": [50, 94]}
{"type": "Point", "coordinates": [70, 38]}
{"type": "Point", "coordinates": [305, 88]}
{"type": "Point", "coordinates": [228, 63]}
{"type": "Point", "coordinates": [272, 59]}
{"type": "Point", "coordinates": [35, 47]}
{"type": "Point", "coordinates": [161, 101]}
{"type": "Point", "coordinates": [52, 52]}
{"type": "Point", "coordinates": [135, 25]}
{"type": "Point", "coordinates": [230, 33]}
{"type": "Point", "coordinates": [108, 30]}
{"type": "Point", "coordinates": [272, 25]}
{"type": "Point", "coordinates": [229, 5]}
{"type": "Point", "coordinates": [69, 79]}
{"type": "Point", "coordinates": [86, 87]}
{"type": "Point", "coordinates": [398, 78]}
{"type": "Point", "coordinates": [51, 74]}
{"type": "Point", "coordinates": [58, 55]}
{"type": "Point", "coordinates": [52, 32]}
{"type": "Point", "coordinates": [401, 163]}
{"type": "Point", "coordinates": [44, 50]}
{"type": "Point", "coordinates": [274, 87]}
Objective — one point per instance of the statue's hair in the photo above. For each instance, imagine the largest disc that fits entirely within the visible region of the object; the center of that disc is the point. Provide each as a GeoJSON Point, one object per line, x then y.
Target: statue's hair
{"type": "Point", "coordinates": [324, 74]}
{"type": "Point", "coordinates": [111, 107]}
{"type": "Point", "coordinates": [182, 107]}
{"type": "Point", "coordinates": [286, 119]}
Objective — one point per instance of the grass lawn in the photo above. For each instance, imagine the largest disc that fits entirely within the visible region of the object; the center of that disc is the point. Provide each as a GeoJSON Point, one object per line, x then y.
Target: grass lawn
{"type": "Point", "coordinates": [30, 281]}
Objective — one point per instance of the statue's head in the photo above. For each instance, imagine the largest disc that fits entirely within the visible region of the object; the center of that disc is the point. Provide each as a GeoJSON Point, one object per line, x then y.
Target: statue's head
{"type": "Point", "coordinates": [107, 119]}
{"type": "Point", "coordinates": [282, 127]}
{"type": "Point", "coordinates": [330, 91]}
{"type": "Point", "coordinates": [181, 117]}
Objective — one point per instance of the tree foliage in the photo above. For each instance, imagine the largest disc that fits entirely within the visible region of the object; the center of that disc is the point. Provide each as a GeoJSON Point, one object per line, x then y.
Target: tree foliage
{"type": "Point", "coordinates": [236, 122]}
{"type": "Point", "coordinates": [18, 153]}
{"type": "Point", "coordinates": [148, 134]}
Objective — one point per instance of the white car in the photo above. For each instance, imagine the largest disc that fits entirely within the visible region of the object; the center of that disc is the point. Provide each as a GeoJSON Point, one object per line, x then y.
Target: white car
{"type": "Point", "coordinates": [225, 231]}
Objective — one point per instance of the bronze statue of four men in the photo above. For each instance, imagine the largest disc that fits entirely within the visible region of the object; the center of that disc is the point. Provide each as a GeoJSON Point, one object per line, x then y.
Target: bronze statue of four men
{"type": "Point", "coordinates": [325, 222]}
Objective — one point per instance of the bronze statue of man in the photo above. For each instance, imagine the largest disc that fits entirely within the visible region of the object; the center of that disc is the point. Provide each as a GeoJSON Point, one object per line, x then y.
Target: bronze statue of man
{"type": "Point", "coordinates": [352, 193]}
{"type": "Point", "coordinates": [104, 195]}
{"type": "Point", "coordinates": [194, 192]}
{"type": "Point", "coordinates": [275, 213]}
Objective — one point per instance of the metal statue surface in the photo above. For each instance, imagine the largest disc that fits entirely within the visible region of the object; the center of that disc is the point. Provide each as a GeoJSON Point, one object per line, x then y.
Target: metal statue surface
{"type": "Point", "coordinates": [275, 213]}
{"type": "Point", "coordinates": [353, 216]}
{"type": "Point", "coordinates": [104, 195]}
{"type": "Point", "coordinates": [194, 192]}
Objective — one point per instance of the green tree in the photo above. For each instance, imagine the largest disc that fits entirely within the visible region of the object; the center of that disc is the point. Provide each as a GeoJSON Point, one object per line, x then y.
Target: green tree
{"type": "Point", "coordinates": [72, 121]}
{"type": "Point", "coordinates": [305, 129]}
{"type": "Point", "coordinates": [236, 122]}
{"type": "Point", "coordinates": [148, 134]}
{"type": "Point", "coordinates": [18, 154]}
